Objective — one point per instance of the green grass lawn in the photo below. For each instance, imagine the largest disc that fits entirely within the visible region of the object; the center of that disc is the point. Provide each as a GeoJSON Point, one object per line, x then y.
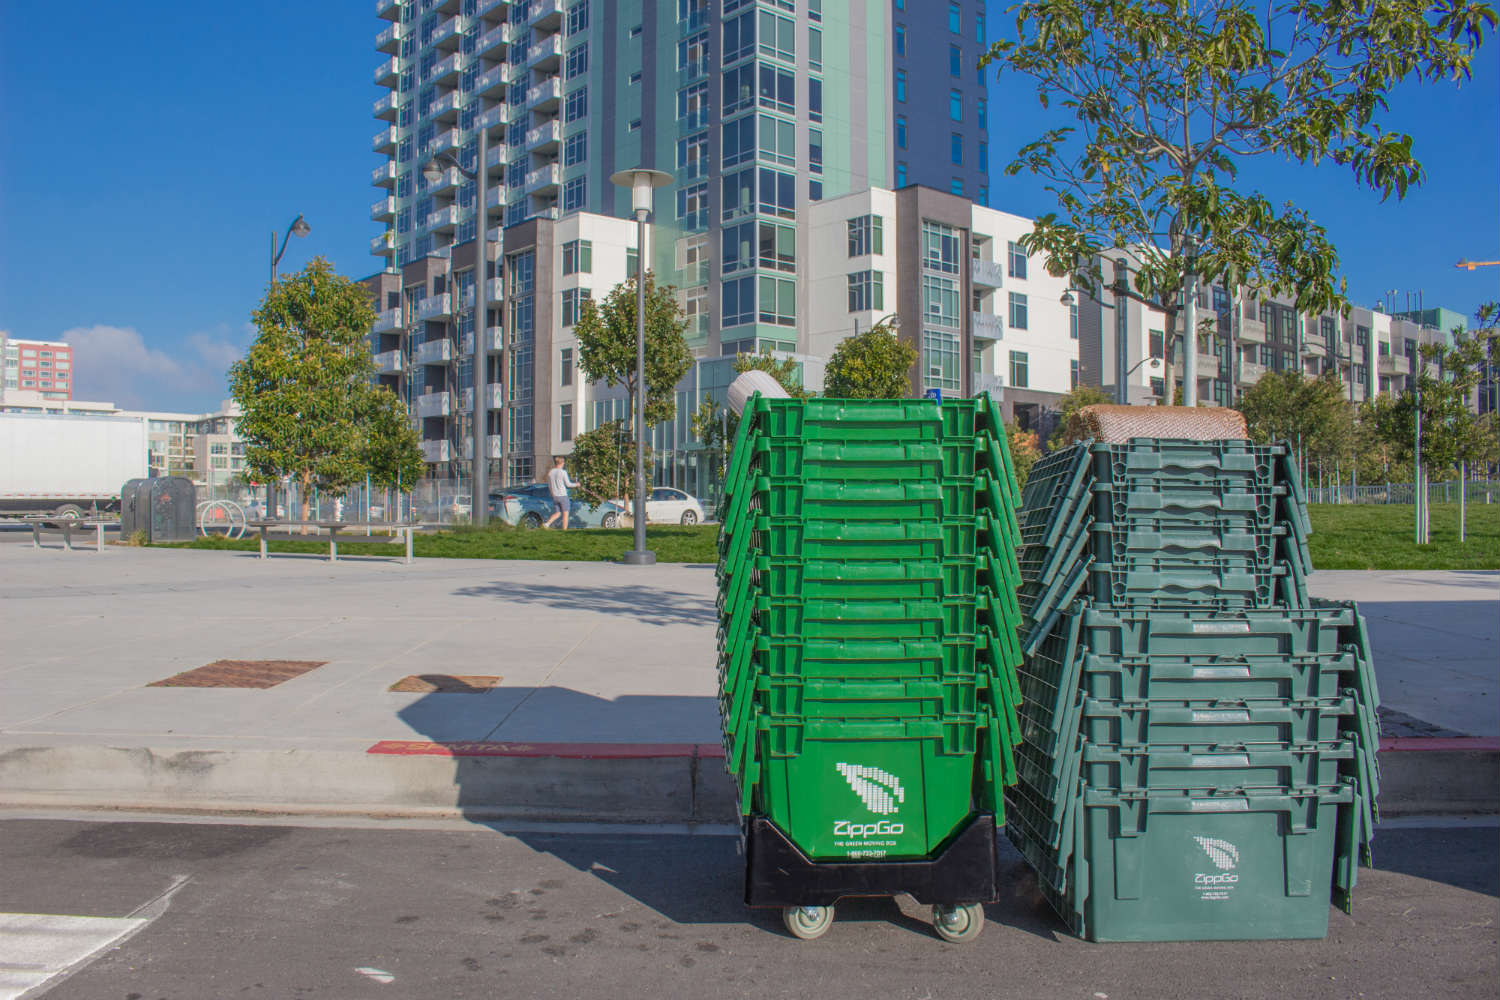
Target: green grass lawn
{"type": "Point", "coordinates": [672, 544]}
{"type": "Point", "coordinates": [1379, 536]}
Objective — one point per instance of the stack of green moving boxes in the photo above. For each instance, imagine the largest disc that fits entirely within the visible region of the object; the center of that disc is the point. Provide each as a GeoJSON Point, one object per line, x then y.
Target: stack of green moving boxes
{"type": "Point", "coordinates": [1199, 736]}
{"type": "Point", "coordinates": [867, 621]}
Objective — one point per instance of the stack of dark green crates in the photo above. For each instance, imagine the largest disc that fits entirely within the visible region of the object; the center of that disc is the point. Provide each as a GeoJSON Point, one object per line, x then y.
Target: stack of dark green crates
{"type": "Point", "coordinates": [1199, 745]}
{"type": "Point", "coordinates": [867, 621]}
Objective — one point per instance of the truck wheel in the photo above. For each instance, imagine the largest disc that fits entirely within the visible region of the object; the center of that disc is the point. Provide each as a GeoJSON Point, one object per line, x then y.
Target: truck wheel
{"type": "Point", "coordinates": [71, 511]}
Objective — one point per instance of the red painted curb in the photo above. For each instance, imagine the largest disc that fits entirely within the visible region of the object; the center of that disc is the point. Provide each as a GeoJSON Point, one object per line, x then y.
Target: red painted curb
{"type": "Point", "coordinates": [581, 751]}
{"type": "Point", "coordinates": [1459, 743]}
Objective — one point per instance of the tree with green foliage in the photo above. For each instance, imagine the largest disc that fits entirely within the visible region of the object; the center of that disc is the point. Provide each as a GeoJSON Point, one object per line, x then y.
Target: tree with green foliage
{"type": "Point", "coordinates": [603, 461]}
{"type": "Point", "coordinates": [1169, 98]}
{"type": "Point", "coordinates": [607, 351]}
{"type": "Point", "coordinates": [875, 364]}
{"type": "Point", "coordinates": [392, 448]}
{"type": "Point", "coordinates": [785, 371]}
{"type": "Point", "coordinates": [1309, 413]}
{"type": "Point", "coordinates": [304, 385]}
{"type": "Point", "coordinates": [1078, 397]}
{"type": "Point", "coordinates": [1025, 450]}
{"type": "Point", "coordinates": [715, 425]}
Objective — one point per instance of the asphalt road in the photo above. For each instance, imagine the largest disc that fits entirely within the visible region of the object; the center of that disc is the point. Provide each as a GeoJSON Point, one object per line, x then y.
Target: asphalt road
{"type": "Point", "coordinates": [290, 912]}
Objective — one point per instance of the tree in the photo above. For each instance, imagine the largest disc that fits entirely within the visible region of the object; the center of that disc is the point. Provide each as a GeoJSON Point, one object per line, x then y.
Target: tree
{"type": "Point", "coordinates": [875, 364]}
{"type": "Point", "coordinates": [1025, 450]}
{"type": "Point", "coordinates": [1170, 97]}
{"type": "Point", "coordinates": [392, 449]}
{"type": "Point", "coordinates": [1078, 397]}
{"type": "Point", "coordinates": [303, 386]}
{"type": "Point", "coordinates": [715, 425]}
{"type": "Point", "coordinates": [607, 350]}
{"type": "Point", "coordinates": [1310, 413]}
{"type": "Point", "coordinates": [603, 461]}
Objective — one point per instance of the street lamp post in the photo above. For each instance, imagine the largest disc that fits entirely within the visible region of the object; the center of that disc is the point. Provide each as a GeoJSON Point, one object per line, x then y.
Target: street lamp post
{"type": "Point", "coordinates": [299, 228]}
{"type": "Point", "coordinates": [479, 464]}
{"type": "Point", "coordinates": [641, 181]}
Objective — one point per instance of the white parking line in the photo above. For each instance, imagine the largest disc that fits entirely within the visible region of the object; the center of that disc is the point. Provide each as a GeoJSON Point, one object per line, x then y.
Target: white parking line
{"type": "Point", "coordinates": [37, 948]}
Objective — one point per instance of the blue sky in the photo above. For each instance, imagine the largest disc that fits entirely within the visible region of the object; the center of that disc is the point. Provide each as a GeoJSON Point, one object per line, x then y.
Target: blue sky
{"type": "Point", "coordinates": [150, 150]}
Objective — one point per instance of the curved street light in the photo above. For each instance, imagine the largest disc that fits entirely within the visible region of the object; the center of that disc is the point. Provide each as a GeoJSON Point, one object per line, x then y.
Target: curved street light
{"type": "Point", "coordinates": [479, 464]}
{"type": "Point", "coordinates": [299, 227]}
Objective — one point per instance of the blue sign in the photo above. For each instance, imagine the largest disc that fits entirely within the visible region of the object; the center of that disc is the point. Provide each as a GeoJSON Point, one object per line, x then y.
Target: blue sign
{"type": "Point", "coordinates": [936, 395]}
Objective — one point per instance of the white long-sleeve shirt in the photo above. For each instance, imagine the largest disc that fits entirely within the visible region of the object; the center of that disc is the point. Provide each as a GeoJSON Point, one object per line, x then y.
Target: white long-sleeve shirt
{"type": "Point", "coordinates": [558, 482]}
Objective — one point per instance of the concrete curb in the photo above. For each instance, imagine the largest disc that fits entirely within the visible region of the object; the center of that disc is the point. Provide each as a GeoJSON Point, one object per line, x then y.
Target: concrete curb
{"type": "Point", "coordinates": [579, 782]}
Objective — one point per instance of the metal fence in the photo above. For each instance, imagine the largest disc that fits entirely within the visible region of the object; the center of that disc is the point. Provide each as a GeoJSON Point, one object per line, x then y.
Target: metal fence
{"type": "Point", "coordinates": [1475, 491]}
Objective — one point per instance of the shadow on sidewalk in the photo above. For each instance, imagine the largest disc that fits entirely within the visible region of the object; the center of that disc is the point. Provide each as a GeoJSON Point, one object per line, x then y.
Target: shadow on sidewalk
{"type": "Point", "coordinates": [652, 605]}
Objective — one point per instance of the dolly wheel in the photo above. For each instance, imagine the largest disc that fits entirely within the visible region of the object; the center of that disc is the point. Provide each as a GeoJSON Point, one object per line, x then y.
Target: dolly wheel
{"type": "Point", "coordinates": [807, 922]}
{"type": "Point", "coordinates": [958, 923]}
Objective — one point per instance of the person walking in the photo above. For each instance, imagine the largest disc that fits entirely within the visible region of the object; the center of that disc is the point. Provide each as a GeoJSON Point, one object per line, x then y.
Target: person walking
{"type": "Point", "coordinates": [558, 482]}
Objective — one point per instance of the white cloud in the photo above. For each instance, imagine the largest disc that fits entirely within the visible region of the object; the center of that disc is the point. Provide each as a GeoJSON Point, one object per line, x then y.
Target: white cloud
{"type": "Point", "coordinates": [114, 364]}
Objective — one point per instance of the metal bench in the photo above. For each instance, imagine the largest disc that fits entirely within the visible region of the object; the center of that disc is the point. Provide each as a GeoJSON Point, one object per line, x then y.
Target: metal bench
{"type": "Point", "coordinates": [40, 523]}
{"type": "Point", "coordinates": [333, 528]}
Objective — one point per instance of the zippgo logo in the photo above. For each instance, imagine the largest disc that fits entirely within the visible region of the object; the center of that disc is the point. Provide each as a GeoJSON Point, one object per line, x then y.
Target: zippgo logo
{"type": "Point", "coordinates": [880, 791]}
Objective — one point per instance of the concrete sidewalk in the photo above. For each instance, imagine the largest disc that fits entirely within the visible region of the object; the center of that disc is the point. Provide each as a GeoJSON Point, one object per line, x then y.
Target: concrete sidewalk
{"type": "Point", "coordinates": [606, 708]}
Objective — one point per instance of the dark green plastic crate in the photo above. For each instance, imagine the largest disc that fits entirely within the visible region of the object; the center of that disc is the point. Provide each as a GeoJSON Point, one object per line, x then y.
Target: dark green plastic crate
{"type": "Point", "coordinates": [1217, 766]}
{"type": "Point", "coordinates": [1228, 675]}
{"type": "Point", "coordinates": [1321, 628]}
{"type": "Point", "coordinates": [1269, 720]}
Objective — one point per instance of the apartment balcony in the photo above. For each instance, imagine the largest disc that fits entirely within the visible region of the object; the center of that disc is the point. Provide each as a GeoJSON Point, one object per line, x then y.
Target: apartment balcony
{"type": "Point", "coordinates": [491, 118]}
{"type": "Point", "coordinates": [435, 404]}
{"type": "Point", "coordinates": [383, 210]}
{"type": "Point", "coordinates": [987, 326]}
{"type": "Point", "coordinates": [445, 141]}
{"type": "Point", "coordinates": [485, 6]}
{"type": "Point", "coordinates": [991, 384]}
{"type": "Point", "coordinates": [387, 320]}
{"type": "Point", "coordinates": [445, 184]}
{"type": "Point", "coordinates": [387, 10]}
{"type": "Point", "coordinates": [446, 107]}
{"type": "Point", "coordinates": [494, 337]}
{"type": "Point", "coordinates": [495, 38]}
{"type": "Point", "coordinates": [544, 96]}
{"type": "Point", "coordinates": [446, 35]}
{"type": "Point", "coordinates": [490, 83]}
{"type": "Point", "coordinates": [387, 74]}
{"type": "Point", "coordinates": [380, 246]}
{"type": "Point", "coordinates": [1251, 372]}
{"type": "Point", "coordinates": [544, 138]}
{"type": "Point", "coordinates": [389, 40]}
{"type": "Point", "coordinates": [493, 398]}
{"type": "Point", "coordinates": [433, 352]}
{"type": "Point", "coordinates": [446, 71]}
{"type": "Point", "coordinates": [442, 219]}
{"type": "Point", "coordinates": [1390, 364]}
{"type": "Point", "coordinates": [545, 54]}
{"type": "Point", "coordinates": [1252, 332]}
{"type": "Point", "coordinates": [1313, 349]}
{"type": "Point", "coordinates": [385, 107]}
{"type": "Point", "coordinates": [544, 180]}
{"type": "Point", "coordinates": [436, 307]}
{"type": "Point", "coordinates": [389, 363]}
{"type": "Point", "coordinates": [383, 141]}
{"type": "Point", "coordinates": [384, 175]}
{"type": "Point", "coordinates": [435, 451]}
{"type": "Point", "coordinates": [546, 15]}
{"type": "Point", "coordinates": [985, 273]}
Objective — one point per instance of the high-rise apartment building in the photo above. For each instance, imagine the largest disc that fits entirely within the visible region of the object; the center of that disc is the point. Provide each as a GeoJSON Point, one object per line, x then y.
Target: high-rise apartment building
{"type": "Point", "coordinates": [40, 366]}
{"type": "Point", "coordinates": [760, 109]}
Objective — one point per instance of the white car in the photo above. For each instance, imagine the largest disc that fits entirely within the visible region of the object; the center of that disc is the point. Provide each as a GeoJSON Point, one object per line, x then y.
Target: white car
{"type": "Point", "coordinates": [665, 505]}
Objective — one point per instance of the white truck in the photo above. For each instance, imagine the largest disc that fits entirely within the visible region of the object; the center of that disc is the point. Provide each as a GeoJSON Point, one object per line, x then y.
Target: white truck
{"type": "Point", "coordinates": [69, 465]}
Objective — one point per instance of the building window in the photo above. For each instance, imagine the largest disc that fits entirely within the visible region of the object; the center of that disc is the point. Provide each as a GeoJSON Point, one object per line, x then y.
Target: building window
{"type": "Point", "coordinates": [577, 62]}
{"type": "Point", "coordinates": [578, 17]}
{"type": "Point", "coordinates": [739, 37]}
{"type": "Point", "coordinates": [939, 301]}
{"type": "Point", "coordinates": [901, 175]}
{"type": "Point", "coordinates": [1017, 311]}
{"type": "Point", "coordinates": [634, 126]}
{"type": "Point", "coordinates": [982, 113]}
{"type": "Point", "coordinates": [576, 149]}
{"type": "Point", "coordinates": [737, 302]}
{"type": "Point", "coordinates": [939, 360]}
{"type": "Point", "coordinates": [778, 247]}
{"type": "Point", "coordinates": [565, 367]}
{"type": "Point", "coordinates": [939, 247]}
{"type": "Point", "coordinates": [692, 207]}
{"type": "Point", "coordinates": [778, 36]}
{"type": "Point", "coordinates": [956, 149]}
{"type": "Point", "coordinates": [576, 105]}
{"type": "Point", "coordinates": [814, 99]}
{"type": "Point", "coordinates": [900, 40]}
{"type": "Point", "coordinates": [979, 27]}
{"type": "Point", "coordinates": [778, 301]}
{"type": "Point", "coordinates": [955, 61]}
{"type": "Point", "coordinates": [778, 89]}
{"type": "Point", "coordinates": [1073, 373]}
{"type": "Point", "coordinates": [984, 157]}
{"type": "Point", "coordinates": [956, 186]}
{"type": "Point", "coordinates": [1362, 336]}
{"type": "Point", "coordinates": [565, 422]}
{"type": "Point", "coordinates": [956, 105]}
{"type": "Point", "coordinates": [1018, 373]}
{"type": "Point", "coordinates": [1015, 260]}
{"type": "Point", "coordinates": [778, 141]}
{"type": "Point", "coordinates": [865, 235]}
{"type": "Point", "coordinates": [866, 291]}
{"type": "Point", "coordinates": [1073, 321]}
{"type": "Point", "coordinates": [578, 257]}
{"type": "Point", "coordinates": [574, 193]}
{"type": "Point", "coordinates": [778, 193]}
{"type": "Point", "coordinates": [738, 141]}
{"type": "Point", "coordinates": [901, 85]}
{"type": "Point", "coordinates": [900, 131]}
{"type": "Point", "coordinates": [739, 89]}
{"type": "Point", "coordinates": [815, 150]}
{"type": "Point", "coordinates": [955, 23]}
{"type": "Point", "coordinates": [692, 157]}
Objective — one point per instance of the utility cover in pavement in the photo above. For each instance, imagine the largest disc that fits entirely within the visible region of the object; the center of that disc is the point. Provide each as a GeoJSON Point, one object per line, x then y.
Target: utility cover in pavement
{"type": "Point", "coordinates": [240, 674]}
{"type": "Point", "coordinates": [446, 684]}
